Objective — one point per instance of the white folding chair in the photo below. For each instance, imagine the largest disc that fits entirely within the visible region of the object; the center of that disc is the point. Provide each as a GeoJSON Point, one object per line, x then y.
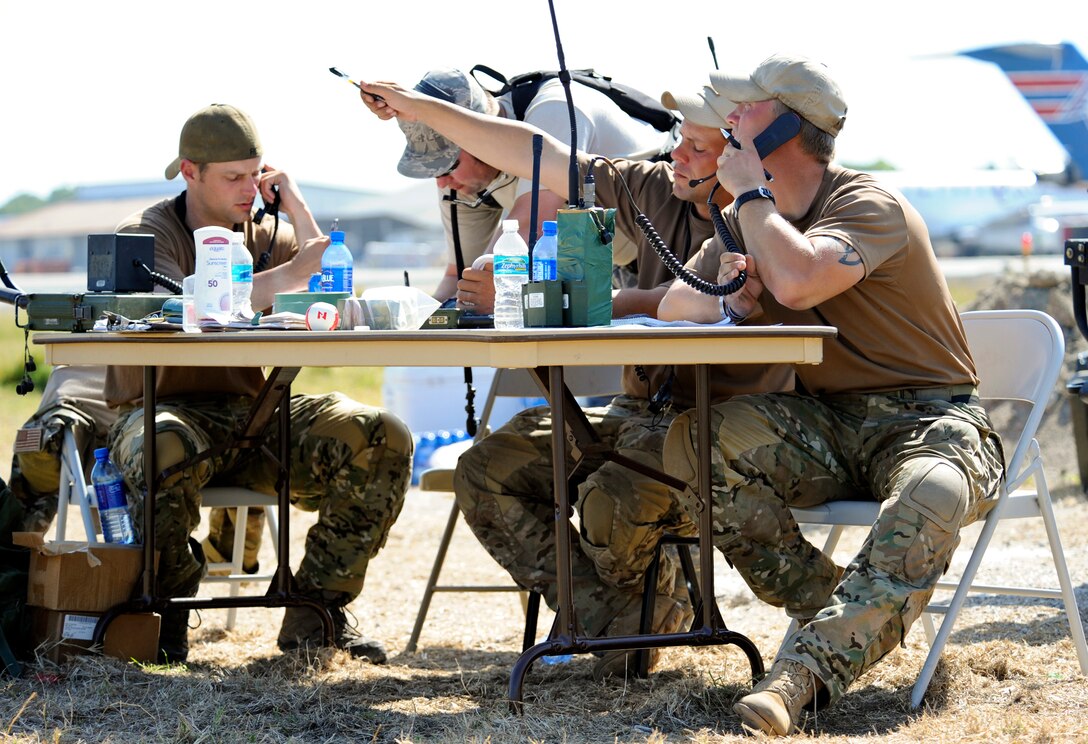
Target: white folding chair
{"type": "Point", "coordinates": [1028, 377]}
{"type": "Point", "coordinates": [231, 571]}
{"type": "Point", "coordinates": [75, 489]}
{"type": "Point", "coordinates": [516, 383]}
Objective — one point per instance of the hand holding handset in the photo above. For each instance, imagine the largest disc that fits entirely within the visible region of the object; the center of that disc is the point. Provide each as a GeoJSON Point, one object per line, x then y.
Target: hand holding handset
{"type": "Point", "coordinates": [781, 130]}
{"type": "Point", "coordinates": [273, 209]}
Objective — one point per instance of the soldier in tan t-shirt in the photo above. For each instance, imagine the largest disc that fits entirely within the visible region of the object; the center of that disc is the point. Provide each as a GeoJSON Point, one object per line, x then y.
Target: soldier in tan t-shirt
{"type": "Point", "coordinates": [349, 462]}
{"type": "Point", "coordinates": [891, 413]}
{"type": "Point", "coordinates": [504, 483]}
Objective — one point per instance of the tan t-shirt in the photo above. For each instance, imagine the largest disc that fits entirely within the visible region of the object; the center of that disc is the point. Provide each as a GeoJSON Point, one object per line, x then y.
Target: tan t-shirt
{"type": "Point", "coordinates": [898, 327]}
{"type": "Point", "coordinates": [683, 231]}
{"type": "Point", "coordinates": [175, 256]}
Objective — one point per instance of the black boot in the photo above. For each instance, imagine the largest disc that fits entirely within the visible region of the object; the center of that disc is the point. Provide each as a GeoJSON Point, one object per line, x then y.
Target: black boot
{"type": "Point", "coordinates": [174, 636]}
{"type": "Point", "coordinates": [302, 628]}
{"type": "Point", "coordinates": [174, 625]}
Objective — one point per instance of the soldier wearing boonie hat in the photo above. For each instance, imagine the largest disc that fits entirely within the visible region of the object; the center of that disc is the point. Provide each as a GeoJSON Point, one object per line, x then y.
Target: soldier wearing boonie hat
{"type": "Point", "coordinates": [892, 412]}
{"type": "Point", "coordinates": [427, 153]}
{"type": "Point", "coordinates": [504, 484]}
{"type": "Point", "coordinates": [484, 193]}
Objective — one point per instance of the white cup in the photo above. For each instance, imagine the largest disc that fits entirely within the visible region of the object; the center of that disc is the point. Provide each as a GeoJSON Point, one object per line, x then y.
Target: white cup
{"type": "Point", "coordinates": [188, 306]}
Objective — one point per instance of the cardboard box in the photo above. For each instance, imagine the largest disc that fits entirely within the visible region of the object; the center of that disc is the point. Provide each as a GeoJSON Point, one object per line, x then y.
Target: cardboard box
{"type": "Point", "coordinates": [60, 635]}
{"type": "Point", "coordinates": [80, 577]}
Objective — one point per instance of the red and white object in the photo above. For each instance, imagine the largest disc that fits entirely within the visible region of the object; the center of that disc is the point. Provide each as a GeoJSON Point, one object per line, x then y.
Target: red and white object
{"type": "Point", "coordinates": [322, 316]}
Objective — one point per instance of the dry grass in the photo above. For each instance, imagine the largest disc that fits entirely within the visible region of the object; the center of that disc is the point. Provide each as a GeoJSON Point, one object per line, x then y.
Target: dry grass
{"type": "Point", "coordinates": [1009, 674]}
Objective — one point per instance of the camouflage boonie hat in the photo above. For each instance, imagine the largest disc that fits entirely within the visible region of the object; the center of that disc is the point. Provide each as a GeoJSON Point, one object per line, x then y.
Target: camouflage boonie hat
{"type": "Point", "coordinates": [428, 154]}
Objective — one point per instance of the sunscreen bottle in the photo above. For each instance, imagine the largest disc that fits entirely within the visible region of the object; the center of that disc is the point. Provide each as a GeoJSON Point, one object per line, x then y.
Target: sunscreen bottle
{"type": "Point", "coordinates": [212, 288]}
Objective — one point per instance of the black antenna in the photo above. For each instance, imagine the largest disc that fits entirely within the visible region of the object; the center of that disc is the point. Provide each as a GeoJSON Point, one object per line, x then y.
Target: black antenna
{"type": "Point", "coordinates": [710, 41]}
{"type": "Point", "coordinates": [564, 78]}
{"type": "Point", "coordinates": [534, 202]}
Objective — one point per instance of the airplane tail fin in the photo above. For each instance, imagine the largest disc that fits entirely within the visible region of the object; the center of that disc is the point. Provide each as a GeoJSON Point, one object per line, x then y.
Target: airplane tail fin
{"type": "Point", "coordinates": [1053, 79]}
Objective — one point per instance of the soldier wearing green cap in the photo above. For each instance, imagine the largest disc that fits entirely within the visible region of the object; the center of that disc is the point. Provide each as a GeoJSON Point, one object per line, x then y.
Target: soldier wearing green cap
{"type": "Point", "coordinates": [349, 462]}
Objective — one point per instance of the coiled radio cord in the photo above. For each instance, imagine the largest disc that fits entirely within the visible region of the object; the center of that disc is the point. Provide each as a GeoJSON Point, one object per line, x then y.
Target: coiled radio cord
{"type": "Point", "coordinates": [672, 263]}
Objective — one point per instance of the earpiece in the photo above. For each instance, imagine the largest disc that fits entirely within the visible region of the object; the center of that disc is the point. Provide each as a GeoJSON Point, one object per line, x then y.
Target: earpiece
{"type": "Point", "coordinates": [26, 385]}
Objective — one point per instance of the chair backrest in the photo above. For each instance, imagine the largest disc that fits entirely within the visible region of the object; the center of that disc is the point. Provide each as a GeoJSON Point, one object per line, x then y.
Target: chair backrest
{"type": "Point", "coordinates": [1018, 355]}
{"type": "Point", "coordinates": [581, 381]}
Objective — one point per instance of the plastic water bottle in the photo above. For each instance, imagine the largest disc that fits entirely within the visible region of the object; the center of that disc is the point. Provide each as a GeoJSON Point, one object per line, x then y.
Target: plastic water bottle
{"type": "Point", "coordinates": [546, 254]}
{"type": "Point", "coordinates": [336, 265]}
{"type": "Point", "coordinates": [511, 271]}
{"type": "Point", "coordinates": [109, 489]}
{"type": "Point", "coordinates": [241, 277]}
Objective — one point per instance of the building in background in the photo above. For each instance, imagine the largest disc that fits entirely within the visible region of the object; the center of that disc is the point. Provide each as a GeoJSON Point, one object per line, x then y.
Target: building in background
{"type": "Point", "coordinates": [392, 230]}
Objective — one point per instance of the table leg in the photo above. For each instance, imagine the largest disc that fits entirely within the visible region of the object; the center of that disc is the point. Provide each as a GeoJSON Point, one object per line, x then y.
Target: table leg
{"type": "Point", "coordinates": [276, 392]}
{"type": "Point", "coordinates": [566, 640]}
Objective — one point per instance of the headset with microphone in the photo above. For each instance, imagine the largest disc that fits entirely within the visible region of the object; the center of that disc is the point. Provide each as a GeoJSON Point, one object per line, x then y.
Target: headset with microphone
{"type": "Point", "coordinates": [780, 131]}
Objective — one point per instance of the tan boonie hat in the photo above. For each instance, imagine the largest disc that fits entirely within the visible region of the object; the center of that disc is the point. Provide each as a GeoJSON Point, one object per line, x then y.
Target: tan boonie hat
{"type": "Point", "coordinates": [707, 108]}
{"type": "Point", "coordinates": [803, 85]}
{"type": "Point", "coordinates": [218, 133]}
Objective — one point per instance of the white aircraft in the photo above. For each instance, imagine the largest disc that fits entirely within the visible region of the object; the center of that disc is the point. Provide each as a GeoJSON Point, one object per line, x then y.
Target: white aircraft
{"type": "Point", "coordinates": [1005, 211]}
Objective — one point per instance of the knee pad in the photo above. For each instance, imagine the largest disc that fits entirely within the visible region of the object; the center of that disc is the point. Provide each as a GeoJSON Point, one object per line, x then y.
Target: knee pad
{"type": "Point", "coordinates": [398, 438]}
{"type": "Point", "coordinates": [939, 492]}
{"type": "Point", "coordinates": [918, 532]}
{"type": "Point", "coordinates": [678, 455]}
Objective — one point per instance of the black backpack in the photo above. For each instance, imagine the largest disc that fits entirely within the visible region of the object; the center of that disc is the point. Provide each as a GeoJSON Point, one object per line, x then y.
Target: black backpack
{"type": "Point", "coordinates": [634, 103]}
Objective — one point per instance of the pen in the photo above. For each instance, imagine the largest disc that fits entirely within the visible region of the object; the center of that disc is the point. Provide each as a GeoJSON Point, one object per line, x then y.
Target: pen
{"type": "Point", "coordinates": [341, 73]}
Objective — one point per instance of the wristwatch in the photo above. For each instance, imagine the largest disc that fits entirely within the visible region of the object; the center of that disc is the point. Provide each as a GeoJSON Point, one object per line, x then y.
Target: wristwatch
{"type": "Point", "coordinates": [761, 193]}
{"type": "Point", "coordinates": [729, 313]}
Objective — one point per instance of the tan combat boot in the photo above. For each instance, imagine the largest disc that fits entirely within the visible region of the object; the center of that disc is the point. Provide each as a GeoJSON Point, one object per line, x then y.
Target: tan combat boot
{"type": "Point", "coordinates": [219, 544]}
{"type": "Point", "coordinates": [774, 705]}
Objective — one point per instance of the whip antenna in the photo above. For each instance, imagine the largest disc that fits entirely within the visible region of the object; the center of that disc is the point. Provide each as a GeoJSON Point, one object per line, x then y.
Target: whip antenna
{"type": "Point", "coordinates": [564, 78]}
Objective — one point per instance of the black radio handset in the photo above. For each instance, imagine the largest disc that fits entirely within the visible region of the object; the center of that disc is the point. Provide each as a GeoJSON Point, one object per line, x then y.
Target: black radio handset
{"type": "Point", "coordinates": [781, 130]}
{"type": "Point", "coordinates": [274, 210]}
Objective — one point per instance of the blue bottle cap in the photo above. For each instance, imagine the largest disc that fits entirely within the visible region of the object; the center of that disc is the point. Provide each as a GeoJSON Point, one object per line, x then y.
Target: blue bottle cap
{"type": "Point", "coordinates": [550, 227]}
{"type": "Point", "coordinates": [102, 453]}
{"type": "Point", "coordinates": [337, 236]}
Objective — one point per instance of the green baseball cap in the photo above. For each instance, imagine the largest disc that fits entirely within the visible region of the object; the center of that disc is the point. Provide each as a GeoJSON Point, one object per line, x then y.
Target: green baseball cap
{"type": "Point", "coordinates": [218, 133]}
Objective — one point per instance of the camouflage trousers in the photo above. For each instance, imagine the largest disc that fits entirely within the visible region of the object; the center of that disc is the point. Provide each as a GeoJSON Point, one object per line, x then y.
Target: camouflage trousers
{"type": "Point", "coordinates": [931, 464]}
{"type": "Point", "coordinates": [35, 470]}
{"type": "Point", "coordinates": [504, 488]}
{"type": "Point", "coordinates": [350, 463]}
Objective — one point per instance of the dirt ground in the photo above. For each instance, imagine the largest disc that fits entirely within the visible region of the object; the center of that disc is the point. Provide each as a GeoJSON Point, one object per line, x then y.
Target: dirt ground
{"type": "Point", "coordinates": [1008, 674]}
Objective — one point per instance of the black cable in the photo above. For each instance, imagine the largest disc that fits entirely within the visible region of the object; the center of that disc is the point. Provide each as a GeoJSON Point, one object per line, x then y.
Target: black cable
{"type": "Point", "coordinates": [266, 256]}
{"type": "Point", "coordinates": [672, 263]}
{"type": "Point", "coordinates": [156, 278]}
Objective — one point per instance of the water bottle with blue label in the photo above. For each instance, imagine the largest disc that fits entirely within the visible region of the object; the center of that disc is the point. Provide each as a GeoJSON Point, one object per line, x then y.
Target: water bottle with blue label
{"type": "Point", "coordinates": [109, 489]}
{"type": "Point", "coordinates": [336, 265]}
{"type": "Point", "coordinates": [546, 254]}
{"type": "Point", "coordinates": [511, 271]}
